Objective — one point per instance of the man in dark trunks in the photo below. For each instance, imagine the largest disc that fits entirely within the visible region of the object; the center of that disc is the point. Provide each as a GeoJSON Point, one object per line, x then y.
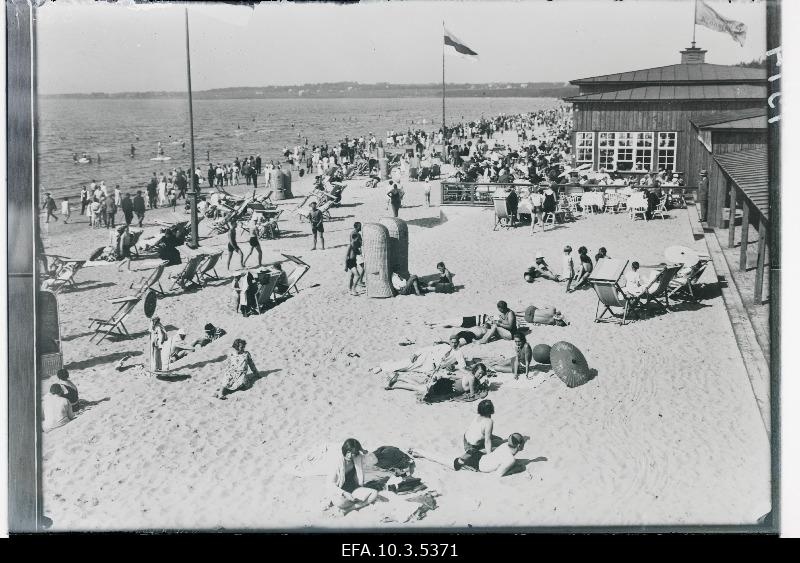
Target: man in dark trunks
{"type": "Point", "coordinates": [233, 246]}
{"type": "Point", "coordinates": [317, 227]}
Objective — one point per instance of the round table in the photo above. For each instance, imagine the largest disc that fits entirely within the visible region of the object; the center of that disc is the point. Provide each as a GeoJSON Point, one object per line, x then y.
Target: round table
{"type": "Point", "coordinates": [681, 255]}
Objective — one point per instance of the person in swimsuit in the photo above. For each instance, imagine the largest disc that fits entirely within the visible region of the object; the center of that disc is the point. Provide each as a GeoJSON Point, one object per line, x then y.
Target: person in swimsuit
{"type": "Point", "coordinates": [450, 360]}
{"type": "Point", "coordinates": [346, 488]}
{"type": "Point", "coordinates": [499, 462]}
{"type": "Point", "coordinates": [521, 362]}
{"type": "Point", "coordinates": [478, 434]}
{"type": "Point", "coordinates": [351, 264]}
{"type": "Point", "coordinates": [585, 268]}
{"type": "Point", "coordinates": [233, 245]}
{"type": "Point", "coordinates": [445, 282]}
{"type": "Point", "coordinates": [504, 327]}
{"type": "Point", "coordinates": [470, 380]}
{"type": "Point", "coordinates": [469, 335]}
{"type": "Point", "coordinates": [255, 244]}
{"type": "Point", "coordinates": [316, 219]}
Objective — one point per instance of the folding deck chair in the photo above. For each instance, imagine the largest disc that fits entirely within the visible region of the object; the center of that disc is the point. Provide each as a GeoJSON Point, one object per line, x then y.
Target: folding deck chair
{"type": "Point", "coordinates": [64, 276]}
{"type": "Point", "coordinates": [605, 281]}
{"type": "Point", "coordinates": [294, 277]}
{"type": "Point", "coordinates": [658, 289]}
{"type": "Point", "coordinates": [114, 323]}
{"type": "Point", "coordinates": [150, 282]}
{"type": "Point", "coordinates": [208, 268]}
{"type": "Point", "coordinates": [683, 284]}
{"type": "Point", "coordinates": [188, 276]}
{"type": "Point", "coordinates": [502, 218]}
{"type": "Point", "coordinates": [264, 294]}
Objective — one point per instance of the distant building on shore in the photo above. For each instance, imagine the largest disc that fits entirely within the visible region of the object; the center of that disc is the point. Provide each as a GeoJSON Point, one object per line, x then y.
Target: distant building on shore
{"type": "Point", "coordinates": [638, 121]}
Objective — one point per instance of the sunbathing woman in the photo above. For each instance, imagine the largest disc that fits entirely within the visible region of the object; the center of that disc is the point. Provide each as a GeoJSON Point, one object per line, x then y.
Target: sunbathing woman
{"type": "Point", "coordinates": [521, 362]}
{"type": "Point", "coordinates": [346, 482]}
{"type": "Point", "coordinates": [504, 327]}
{"type": "Point", "coordinates": [236, 376]}
{"type": "Point", "coordinates": [421, 380]}
{"type": "Point", "coordinates": [445, 282]}
{"type": "Point", "coordinates": [499, 462]}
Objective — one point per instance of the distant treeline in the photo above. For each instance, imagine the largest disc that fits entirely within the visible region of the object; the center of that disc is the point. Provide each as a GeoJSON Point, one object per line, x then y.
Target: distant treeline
{"type": "Point", "coordinates": [355, 90]}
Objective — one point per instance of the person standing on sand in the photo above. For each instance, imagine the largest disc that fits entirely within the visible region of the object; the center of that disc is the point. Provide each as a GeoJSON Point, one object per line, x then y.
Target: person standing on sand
{"type": "Point", "coordinates": [395, 198]}
{"type": "Point", "coordinates": [84, 199]}
{"type": "Point", "coordinates": [127, 208]}
{"type": "Point", "coordinates": [702, 195]}
{"type": "Point", "coordinates": [255, 243]}
{"type": "Point", "coordinates": [233, 246]}
{"type": "Point", "coordinates": [138, 207]}
{"type": "Point", "coordinates": [351, 265]}
{"type": "Point", "coordinates": [49, 206]}
{"type": "Point", "coordinates": [111, 212]}
{"type": "Point", "coordinates": [158, 336]}
{"type": "Point", "coordinates": [316, 219]}
{"type": "Point", "coordinates": [65, 213]}
{"type": "Point", "coordinates": [152, 187]}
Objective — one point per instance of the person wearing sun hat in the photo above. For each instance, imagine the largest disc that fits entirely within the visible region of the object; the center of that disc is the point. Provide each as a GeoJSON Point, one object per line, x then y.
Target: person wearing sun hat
{"type": "Point", "coordinates": [178, 346]}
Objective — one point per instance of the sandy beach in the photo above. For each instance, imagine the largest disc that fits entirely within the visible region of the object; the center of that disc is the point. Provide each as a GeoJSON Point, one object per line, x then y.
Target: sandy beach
{"type": "Point", "coordinates": [667, 433]}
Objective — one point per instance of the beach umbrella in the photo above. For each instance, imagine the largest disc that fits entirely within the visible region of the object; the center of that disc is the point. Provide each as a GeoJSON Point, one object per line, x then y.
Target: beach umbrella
{"type": "Point", "coordinates": [150, 302]}
{"type": "Point", "coordinates": [681, 255]}
{"type": "Point", "coordinates": [569, 364]}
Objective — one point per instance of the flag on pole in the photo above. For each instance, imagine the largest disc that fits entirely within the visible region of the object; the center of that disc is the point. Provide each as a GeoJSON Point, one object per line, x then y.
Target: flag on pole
{"type": "Point", "coordinates": [460, 48]}
{"type": "Point", "coordinates": [707, 17]}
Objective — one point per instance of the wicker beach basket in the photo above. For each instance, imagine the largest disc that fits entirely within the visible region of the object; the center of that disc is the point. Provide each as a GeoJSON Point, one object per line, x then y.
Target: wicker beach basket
{"type": "Point", "coordinates": [376, 260]}
{"type": "Point", "coordinates": [277, 184]}
{"type": "Point", "coordinates": [383, 168]}
{"type": "Point", "coordinates": [287, 184]}
{"type": "Point", "coordinates": [398, 243]}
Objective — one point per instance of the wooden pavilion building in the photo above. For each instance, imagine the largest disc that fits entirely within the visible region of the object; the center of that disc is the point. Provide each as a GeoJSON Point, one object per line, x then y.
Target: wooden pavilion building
{"type": "Point", "coordinates": [641, 121]}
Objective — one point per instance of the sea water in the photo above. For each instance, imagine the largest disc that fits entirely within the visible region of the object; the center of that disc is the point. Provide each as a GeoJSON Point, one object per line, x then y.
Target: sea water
{"type": "Point", "coordinates": [223, 129]}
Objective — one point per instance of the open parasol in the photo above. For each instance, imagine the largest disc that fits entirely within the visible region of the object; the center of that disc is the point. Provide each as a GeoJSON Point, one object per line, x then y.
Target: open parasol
{"type": "Point", "coordinates": [681, 255]}
{"type": "Point", "coordinates": [569, 364]}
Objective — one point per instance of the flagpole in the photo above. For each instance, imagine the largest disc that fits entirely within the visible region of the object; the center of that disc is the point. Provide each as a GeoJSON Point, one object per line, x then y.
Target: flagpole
{"type": "Point", "coordinates": [193, 189]}
{"type": "Point", "coordinates": [694, 23]}
{"type": "Point", "coordinates": [444, 132]}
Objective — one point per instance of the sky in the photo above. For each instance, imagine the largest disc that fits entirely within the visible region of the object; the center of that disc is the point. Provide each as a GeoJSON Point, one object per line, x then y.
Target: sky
{"type": "Point", "coordinates": [101, 47]}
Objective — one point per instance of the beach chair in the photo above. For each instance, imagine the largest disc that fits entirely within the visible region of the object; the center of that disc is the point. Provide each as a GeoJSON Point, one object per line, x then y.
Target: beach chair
{"type": "Point", "coordinates": [605, 281]}
{"type": "Point", "coordinates": [151, 281]}
{"type": "Point", "coordinates": [637, 205]}
{"type": "Point", "coordinates": [104, 327]}
{"type": "Point", "coordinates": [657, 291]}
{"type": "Point", "coordinates": [294, 277]}
{"type": "Point", "coordinates": [502, 218]}
{"type": "Point", "coordinates": [208, 268]}
{"type": "Point", "coordinates": [682, 285]}
{"type": "Point", "coordinates": [188, 276]}
{"type": "Point", "coordinates": [264, 294]}
{"type": "Point", "coordinates": [661, 209]}
{"type": "Point", "coordinates": [64, 276]}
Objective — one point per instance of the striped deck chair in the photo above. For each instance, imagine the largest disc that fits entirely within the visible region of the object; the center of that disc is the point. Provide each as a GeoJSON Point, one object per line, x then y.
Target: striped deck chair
{"type": "Point", "coordinates": [682, 285]}
{"type": "Point", "coordinates": [150, 282]}
{"type": "Point", "coordinates": [188, 276]}
{"type": "Point", "coordinates": [300, 270]}
{"type": "Point", "coordinates": [208, 268]}
{"type": "Point", "coordinates": [605, 281]}
{"type": "Point", "coordinates": [65, 275]}
{"type": "Point", "coordinates": [264, 294]}
{"type": "Point", "coordinates": [104, 327]}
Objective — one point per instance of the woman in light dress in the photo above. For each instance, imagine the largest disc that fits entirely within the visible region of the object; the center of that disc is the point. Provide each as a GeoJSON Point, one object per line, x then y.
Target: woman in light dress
{"type": "Point", "coordinates": [158, 337]}
{"type": "Point", "coordinates": [162, 191]}
{"type": "Point", "coordinates": [240, 370]}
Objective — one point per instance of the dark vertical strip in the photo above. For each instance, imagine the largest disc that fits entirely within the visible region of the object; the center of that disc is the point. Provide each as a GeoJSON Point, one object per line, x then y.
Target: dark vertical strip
{"type": "Point", "coordinates": [774, 167]}
{"type": "Point", "coordinates": [731, 215]}
{"type": "Point", "coordinates": [745, 235]}
{"type": "Point", "coordinates": [24, 490]}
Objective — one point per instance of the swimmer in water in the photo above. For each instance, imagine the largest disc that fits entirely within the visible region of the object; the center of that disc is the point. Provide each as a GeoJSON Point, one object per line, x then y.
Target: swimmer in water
{"type": "Point", "coordinates": [133, 151]}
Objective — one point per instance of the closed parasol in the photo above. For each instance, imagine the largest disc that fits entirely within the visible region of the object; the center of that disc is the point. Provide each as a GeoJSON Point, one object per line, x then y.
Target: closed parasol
{"type": "Point", "coordinates": [569, 364]}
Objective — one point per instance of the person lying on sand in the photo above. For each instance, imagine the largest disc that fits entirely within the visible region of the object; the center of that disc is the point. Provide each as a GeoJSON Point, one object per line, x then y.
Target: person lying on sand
{"type": "Point", "coordinates": [522, 360]}
{"type": "Point", "coordinates": [212, 333]}
{"type": "Point", "coordinates": [438, 364]}
{"type": "Point", "coordinates": [504, 327]}
{"type": "Point", "coordinates": [498, 463]}
{"type": "Point", "coordinates": [345, 485]}
{"type": "Point", "coordinates": [236, 375]}
{"type": "Point", "coordinates": [406, 284]}
{"type": "Point", "coordinates": [540, 269]}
